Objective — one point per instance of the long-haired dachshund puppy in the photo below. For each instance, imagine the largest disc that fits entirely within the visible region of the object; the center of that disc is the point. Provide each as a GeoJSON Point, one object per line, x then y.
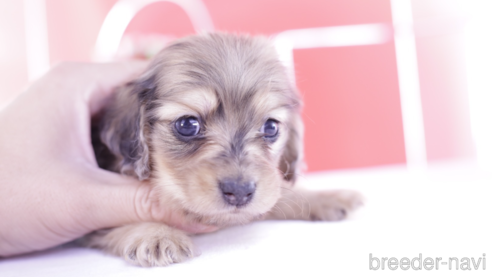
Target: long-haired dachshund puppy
{"type": "Point", "coordinates": [214, 124]}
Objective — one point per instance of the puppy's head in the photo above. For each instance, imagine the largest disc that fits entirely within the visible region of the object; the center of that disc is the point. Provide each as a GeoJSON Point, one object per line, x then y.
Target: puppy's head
{"type": "Point", "coordinates": [214, 123]}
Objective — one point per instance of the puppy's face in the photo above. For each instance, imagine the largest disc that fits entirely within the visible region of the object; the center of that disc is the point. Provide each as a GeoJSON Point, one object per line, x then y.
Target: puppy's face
{"type": "Point", "coordinates": [217, 127]}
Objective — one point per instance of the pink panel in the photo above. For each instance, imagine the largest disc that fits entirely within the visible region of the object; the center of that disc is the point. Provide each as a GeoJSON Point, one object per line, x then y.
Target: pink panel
{"type": "Point", "coordinates": [352, 112]}
{"type": "Point", "coordinates": [444, 97]}
{"type": "Point", "coordinates": [440, 42]}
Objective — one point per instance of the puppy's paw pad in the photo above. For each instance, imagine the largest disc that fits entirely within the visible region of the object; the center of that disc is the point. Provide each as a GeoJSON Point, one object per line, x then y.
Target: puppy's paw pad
{"type": "Point", "coordinates": [334, 205]}
{"type": "Point", "coordinates": [159, 250]}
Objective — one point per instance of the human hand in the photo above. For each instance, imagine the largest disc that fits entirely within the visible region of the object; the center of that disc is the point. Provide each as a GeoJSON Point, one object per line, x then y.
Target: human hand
{"type": "Point", "coordinates": [51, 190]}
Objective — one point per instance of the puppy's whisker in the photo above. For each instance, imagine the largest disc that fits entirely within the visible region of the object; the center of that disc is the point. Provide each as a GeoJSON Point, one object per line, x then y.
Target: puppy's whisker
{"type": "Point", "coordinates": [282, 202]}
{"type": "Point", "coordinates": [305, 200]}
{"type": "Point", "coordinates": [275, 208]}
{"type": "Point", "coordinates": [284, 174]}
{"type": "Point", "coordinates": [300, 206]}
{"type": "Point", "coordinates": [288, 168]}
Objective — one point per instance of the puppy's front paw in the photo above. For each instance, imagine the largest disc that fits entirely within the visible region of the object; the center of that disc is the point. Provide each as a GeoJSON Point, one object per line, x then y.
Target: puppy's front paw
{"type": "Point", "coordinates": [158, 249]}
{"type": "Point", "coordinates": [144, 244]}
{"type": "Point", "coordinates": [333, 205]}
{"type": "Point", "coordinates": [328, 205]}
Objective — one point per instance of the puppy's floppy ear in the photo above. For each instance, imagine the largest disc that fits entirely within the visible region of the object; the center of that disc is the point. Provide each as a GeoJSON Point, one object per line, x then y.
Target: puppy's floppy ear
{"type": "Point", "coordinates": [292, 161]}
{"type": "Point", "coordinates": [124, 125]}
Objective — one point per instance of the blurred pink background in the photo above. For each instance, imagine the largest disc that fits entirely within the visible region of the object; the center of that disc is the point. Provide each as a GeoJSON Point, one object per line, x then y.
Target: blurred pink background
{"type": "Point", "coordinates": [354, 112]}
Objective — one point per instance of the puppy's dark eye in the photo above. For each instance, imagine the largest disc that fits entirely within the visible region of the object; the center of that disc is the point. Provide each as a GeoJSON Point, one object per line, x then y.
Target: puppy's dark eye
{"type": "Point", "coordinates": [270, 128]}
{"type": "Point", "coordinates": [188, 126]}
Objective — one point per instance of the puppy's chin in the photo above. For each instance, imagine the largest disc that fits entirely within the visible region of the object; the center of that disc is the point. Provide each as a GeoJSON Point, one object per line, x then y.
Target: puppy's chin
{"type": "Point", "coordinates": [229, 215]}
{"type": "Point", "coordinates": [213, 210]}
{"type": "Point", "coordinates": [199, 196]}
{"type": "Point", "coordinates": [236, 216]}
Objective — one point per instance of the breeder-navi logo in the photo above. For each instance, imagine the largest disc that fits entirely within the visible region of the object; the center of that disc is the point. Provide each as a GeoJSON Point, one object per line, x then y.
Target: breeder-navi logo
{"type": "Point", "coordinates": [419, 263]}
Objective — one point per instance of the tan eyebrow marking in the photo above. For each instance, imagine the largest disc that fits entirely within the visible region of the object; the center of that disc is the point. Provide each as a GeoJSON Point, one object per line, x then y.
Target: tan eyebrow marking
{"type": "Point", "coordinates": [193, 102]}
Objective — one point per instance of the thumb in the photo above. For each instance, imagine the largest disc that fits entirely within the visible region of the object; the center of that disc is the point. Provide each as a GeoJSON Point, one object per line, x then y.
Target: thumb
{"type": "Point", "coordinates": [116, 200]}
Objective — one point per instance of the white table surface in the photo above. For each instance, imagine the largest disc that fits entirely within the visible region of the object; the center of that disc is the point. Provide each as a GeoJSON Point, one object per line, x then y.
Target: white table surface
{"type": "Point", "coordinates": [443, 211]}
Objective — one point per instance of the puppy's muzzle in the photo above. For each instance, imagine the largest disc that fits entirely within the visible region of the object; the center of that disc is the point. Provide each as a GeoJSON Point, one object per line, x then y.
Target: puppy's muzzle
{"type": "Point", "coordinates": [237, 193]}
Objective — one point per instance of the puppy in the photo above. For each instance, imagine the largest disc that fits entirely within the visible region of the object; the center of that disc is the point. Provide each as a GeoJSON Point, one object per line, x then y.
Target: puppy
{"type": "Point", "coordinates": [214, 124]}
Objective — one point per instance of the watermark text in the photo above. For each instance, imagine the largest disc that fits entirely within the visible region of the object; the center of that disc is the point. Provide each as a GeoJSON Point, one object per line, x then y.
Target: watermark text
{"type": "Point", "coordinates": [427, 263]}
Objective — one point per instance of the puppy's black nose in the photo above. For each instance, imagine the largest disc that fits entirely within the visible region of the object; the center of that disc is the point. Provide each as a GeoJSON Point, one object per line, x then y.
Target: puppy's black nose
{"type": "Point", "coordinates": [237, 193]}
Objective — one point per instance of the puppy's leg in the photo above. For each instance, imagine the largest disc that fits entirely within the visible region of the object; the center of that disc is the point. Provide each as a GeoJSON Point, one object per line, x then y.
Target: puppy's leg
{"type": "Point", "coordinates": [144, 244]}
{"type": "Point", "coordinates": [330, 205]}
